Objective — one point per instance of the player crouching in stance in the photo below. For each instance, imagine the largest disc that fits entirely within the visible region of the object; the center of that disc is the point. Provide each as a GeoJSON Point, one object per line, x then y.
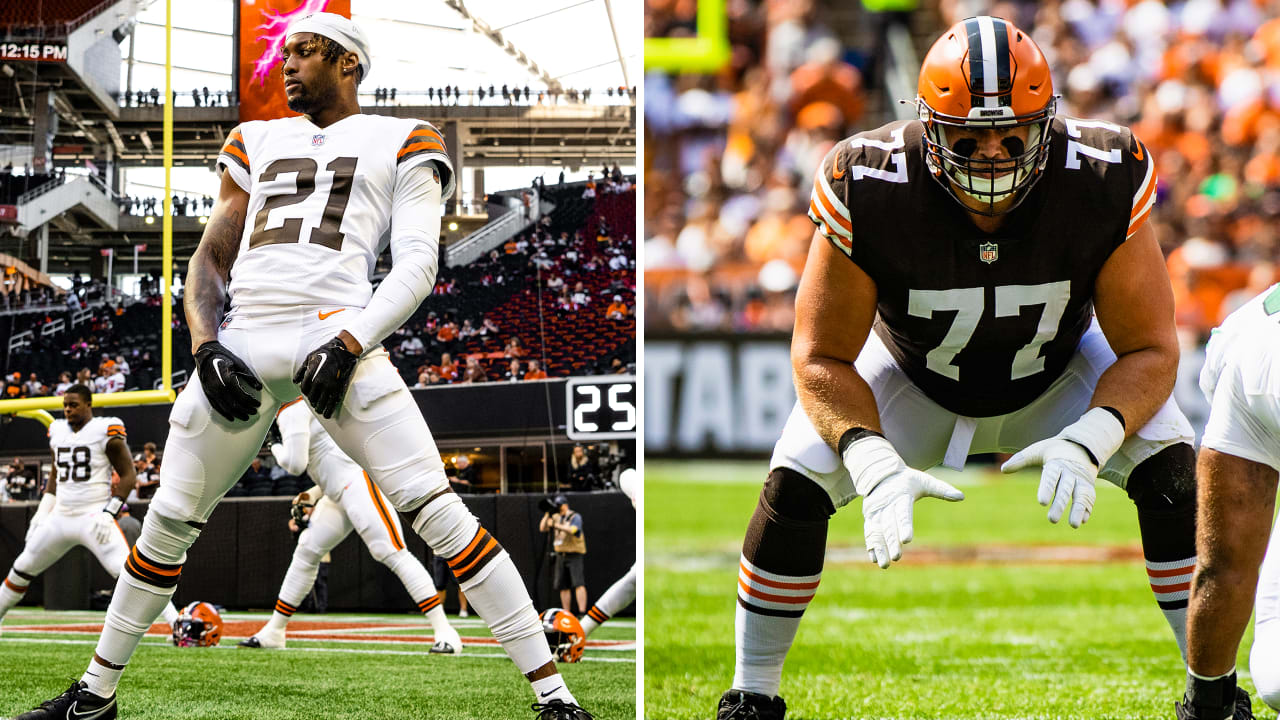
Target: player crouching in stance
{"type": "Point", "coordinates": [345, 499]}
{"type": "Point", "coordinates": [78, 507]}
{"type": "Point", "coordinates": [1238, 471]}
{"type": "Point", "coordinates": [292, 240]}
{"type": "Point", "coordinates": [957, 236]}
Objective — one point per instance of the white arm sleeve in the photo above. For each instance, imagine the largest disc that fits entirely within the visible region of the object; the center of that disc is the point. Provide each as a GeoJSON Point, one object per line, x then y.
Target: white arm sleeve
{"type": "Point", "coordinates": [295, 430]}
{"type": "Point", "coordinates": [415, 257]}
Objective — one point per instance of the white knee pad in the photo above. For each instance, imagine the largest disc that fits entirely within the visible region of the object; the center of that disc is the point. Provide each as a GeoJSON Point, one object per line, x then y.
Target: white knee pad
{"type": "Point", "coordinates": [308, 551]}
{"type": "Point", "coordinates": [1264, 664]}
{"type": "Point", "coordinates": [166, 539]}
{"type": "Point", "coordinates": [446, 524]}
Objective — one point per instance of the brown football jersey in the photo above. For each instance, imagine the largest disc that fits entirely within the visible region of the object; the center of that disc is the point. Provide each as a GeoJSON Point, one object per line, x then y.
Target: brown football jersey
{"type": "Point", "coordinates": [983, 323]}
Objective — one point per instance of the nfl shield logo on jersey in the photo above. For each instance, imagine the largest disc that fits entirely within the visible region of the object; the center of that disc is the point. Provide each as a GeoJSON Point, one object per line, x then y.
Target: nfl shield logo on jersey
{"type": "Point", "coordinates": [317, 140]}
{"type": "Point", "coordinates": [988, 252]}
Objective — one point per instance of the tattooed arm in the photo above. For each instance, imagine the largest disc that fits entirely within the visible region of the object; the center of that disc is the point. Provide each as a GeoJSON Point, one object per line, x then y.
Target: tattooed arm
{"type": "Point", "coordinates": [210, 267]}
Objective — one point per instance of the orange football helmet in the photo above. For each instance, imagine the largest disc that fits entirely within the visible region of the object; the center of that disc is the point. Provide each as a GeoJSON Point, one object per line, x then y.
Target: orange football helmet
{"type": "Point", "coordinates": [564, 635]}
{"type": "Point", "coordinates": [984, 73]}
{"type": "Point", "coordinates": [198, 625]}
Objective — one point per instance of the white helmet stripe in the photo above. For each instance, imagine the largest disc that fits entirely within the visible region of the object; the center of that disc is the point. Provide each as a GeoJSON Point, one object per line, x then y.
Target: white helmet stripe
{"type": "Point", "coordinates": [990, 62]}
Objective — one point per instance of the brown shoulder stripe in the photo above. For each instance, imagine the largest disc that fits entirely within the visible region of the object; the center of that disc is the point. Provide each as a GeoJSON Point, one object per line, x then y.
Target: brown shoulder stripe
{"type": "Point", "coordinates": [423, 139]}
{"type": "Point", "coordinates": [236, 150]}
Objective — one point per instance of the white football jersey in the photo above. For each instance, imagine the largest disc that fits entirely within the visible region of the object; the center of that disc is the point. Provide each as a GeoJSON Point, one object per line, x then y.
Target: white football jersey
{"type": "Point", "coordinates": [320, 202]}
{"type": "Point", "coordinates": [327, 465]}
{"type": "Point", "coordinates": [1246, 347]}
{"type": "Point", "coordinates": [84, 472]}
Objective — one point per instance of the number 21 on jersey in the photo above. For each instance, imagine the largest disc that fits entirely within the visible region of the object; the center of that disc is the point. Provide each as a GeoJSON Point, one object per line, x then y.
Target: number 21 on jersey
{"type": "Point", "coordinates": [327, 233]}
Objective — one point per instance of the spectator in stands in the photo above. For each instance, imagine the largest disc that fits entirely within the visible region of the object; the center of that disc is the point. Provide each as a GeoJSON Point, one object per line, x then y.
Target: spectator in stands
{"type": "Point", "coordinates": [147, 466]}
{"type": "Point", "coordinates": [582, 469]}
{"type": "Point", "coordinates": [13, 387]}
{"type": "Point", "coordinates": [121, 366]}
{"type": "Point", "coordinates": [257, 478]}
{"type": "Point", "coordinates": [590, 190]}
{"type": "Point", "coordinates": [64, 382]}
{"type": "Point", "coordinates": [514, 348]}
{"type": "Point", "coordinates": [535, 372]}
{"type": "Point", "coordinates": [128, 525]}
{"type": "Point", "coordinates": [34, 387]}
{"type": "Point", "coordinates": [467, 330]}
{"type": "Point", "coordinates": [447, 370]}
{"type": "Point", "coordinates": [447, 333]}
{"type": "Point", "coordinates": [474, 371]}
{"type": "Point", "coordinates": [412, 346]}
{"type": "Point", "coordinates": [580, 297]}
{"type": "Point", "coordinates": [488, 327]}
{"type": "Point", "coordinates": [513, 373]}
{"type": "Point", "coordinates": [555, 283]}
{"type": "Point", "coordinates": [617, 310]}
{"type": "Point", "coordinates": [20, 481]}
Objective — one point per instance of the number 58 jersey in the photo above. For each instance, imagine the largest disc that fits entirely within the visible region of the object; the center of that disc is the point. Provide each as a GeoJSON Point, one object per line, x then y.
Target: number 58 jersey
{"type": "Point", "coordinates": [320, 205]}
{"type": "Point", "coordinates": [84, 471]}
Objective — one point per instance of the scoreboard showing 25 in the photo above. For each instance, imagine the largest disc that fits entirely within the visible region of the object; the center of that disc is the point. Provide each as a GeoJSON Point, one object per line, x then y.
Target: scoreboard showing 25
{"type": "Point", "coordinates": [601, 408]}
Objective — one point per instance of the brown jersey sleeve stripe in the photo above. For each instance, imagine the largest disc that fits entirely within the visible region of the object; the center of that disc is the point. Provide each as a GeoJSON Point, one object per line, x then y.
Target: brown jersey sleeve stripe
{"type": "Point", "coordinates": [235, 150]}
{"type": "Point", "coordinates": [423, 133]}
{"type": "Point", "coordinates": [116, 431]}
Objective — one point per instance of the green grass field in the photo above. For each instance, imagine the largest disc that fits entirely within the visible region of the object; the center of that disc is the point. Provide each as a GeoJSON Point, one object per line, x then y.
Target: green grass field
{"type": "Point", "coordinates": [992, 613]}
{"type": "Point", "coordinates": [349, 677]}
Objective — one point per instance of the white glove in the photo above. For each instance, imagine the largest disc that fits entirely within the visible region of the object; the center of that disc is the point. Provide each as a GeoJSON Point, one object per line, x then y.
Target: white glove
{"type": "Point", "coordinates": [889, 489]}
{"type": "Point", "coordinates": [1069, 473]}
{"type": "Point", "coordinates": [47, 501]}
{"type": "Point", "coordinates": [103, 526]}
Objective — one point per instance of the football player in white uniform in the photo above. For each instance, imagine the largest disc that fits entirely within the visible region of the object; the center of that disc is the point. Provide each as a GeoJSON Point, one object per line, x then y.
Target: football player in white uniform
{"type": "Point", "coordinates": [1237, 472]}
{"type": "Point", "coordinates": [78, 506]}
{"type": "Point", "coordinates": [623, 591]}
{"type": "Point", "coordinates": [306, 205]}
{"type": "Point", "coordinates": [345, 499]}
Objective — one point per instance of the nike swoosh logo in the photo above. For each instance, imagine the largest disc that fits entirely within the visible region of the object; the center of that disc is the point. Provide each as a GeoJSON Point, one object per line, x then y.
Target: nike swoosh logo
{"type": "Point", "coordinates": [836, 172]}
{"type": "Point", "coordinates": [548, 693]}
{"type": "Point", "coordinates": [218, 369]}
{"type": "Point", "coordinates": [1139, 154]}
{"type": "Point", "coordinates": [324, 315]}
{"type": "Point", "coordinates": [74, 714]}
{"type": "Point", "coordinates": [320, 365]}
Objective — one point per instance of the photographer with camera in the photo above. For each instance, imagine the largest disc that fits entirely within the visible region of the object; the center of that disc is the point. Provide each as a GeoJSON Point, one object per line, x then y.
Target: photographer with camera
{"type": "Point", "coordinates": [570, 547]}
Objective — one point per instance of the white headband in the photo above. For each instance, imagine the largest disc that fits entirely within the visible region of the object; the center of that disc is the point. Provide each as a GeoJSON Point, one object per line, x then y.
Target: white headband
{"type": "Point", "coordinates": [339, 29]}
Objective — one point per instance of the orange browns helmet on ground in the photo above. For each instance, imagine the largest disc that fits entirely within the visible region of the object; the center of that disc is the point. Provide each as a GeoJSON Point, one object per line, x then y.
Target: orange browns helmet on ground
{"type": "Point", "coordinates": [198, 625]}
{"type": "Point", "coordinates": [984, 73]}
{"type": "Point", "coordinates": [564, 635]}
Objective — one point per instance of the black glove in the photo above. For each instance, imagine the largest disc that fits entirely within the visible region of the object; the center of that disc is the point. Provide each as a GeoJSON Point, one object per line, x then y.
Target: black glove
{"type": "Point", "coordinates": [325, 374]}
{"type": "Point", "coordinates": [227, 381]}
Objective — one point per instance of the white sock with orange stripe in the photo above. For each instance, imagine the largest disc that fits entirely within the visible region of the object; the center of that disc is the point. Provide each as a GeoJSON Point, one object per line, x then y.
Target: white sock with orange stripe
{"type": "Point", "coordinates": [778, 575]}
{"type": "Point", "coordinates": [619, 595]}
{"type": "Point", "coordinates": [769, 610]}
{"type": "Point", "coordinates": [12, 590]}
{"type": "Point", "coordinates": [493, 586]}
{"type": "Point", "coordinates": [151, 574]}
{"type": "Point", "coordinates": [1171, 583]}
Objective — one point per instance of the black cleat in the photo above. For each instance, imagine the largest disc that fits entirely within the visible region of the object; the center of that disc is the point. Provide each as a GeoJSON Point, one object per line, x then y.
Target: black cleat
{"type": "Point", "coordinates": [443, 648]}
{"type": "Point", "coordinates": [1243, 709]}
{"type": "Point", "coordinates": [250, 642]}
{"type": "Point", "coordinates": [78, 703]}
{"type": "Point", "coordinates": [560, 710]}
{"type": "Point", "coordinates": [743, 705]}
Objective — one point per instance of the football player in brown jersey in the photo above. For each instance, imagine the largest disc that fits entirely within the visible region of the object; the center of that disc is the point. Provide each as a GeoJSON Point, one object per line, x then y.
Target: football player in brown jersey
{"type": "Point", "coordinates": [983, 279]}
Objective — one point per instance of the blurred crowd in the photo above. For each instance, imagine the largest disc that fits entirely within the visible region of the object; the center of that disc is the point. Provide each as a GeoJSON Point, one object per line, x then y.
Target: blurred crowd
{"type": "Point", "coordinates": [446, 95]}
{"type": "Point", "coordinates": [729, 157]}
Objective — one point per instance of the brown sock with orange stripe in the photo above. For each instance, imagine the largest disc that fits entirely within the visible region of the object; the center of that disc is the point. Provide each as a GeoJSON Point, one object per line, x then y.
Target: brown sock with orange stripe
{"type": "Point", "coordinates": [778, 575]}
{"type": "Point", "coordinates": [151, 574]}
{"type": "Point", "coordinates": [14, 587]}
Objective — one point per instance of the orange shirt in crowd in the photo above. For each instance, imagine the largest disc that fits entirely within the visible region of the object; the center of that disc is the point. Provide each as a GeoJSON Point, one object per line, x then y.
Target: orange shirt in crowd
{"type": "Point", "coordinates": [616, 308]}
{"type": "Point", "coordinates": [538, 374]}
